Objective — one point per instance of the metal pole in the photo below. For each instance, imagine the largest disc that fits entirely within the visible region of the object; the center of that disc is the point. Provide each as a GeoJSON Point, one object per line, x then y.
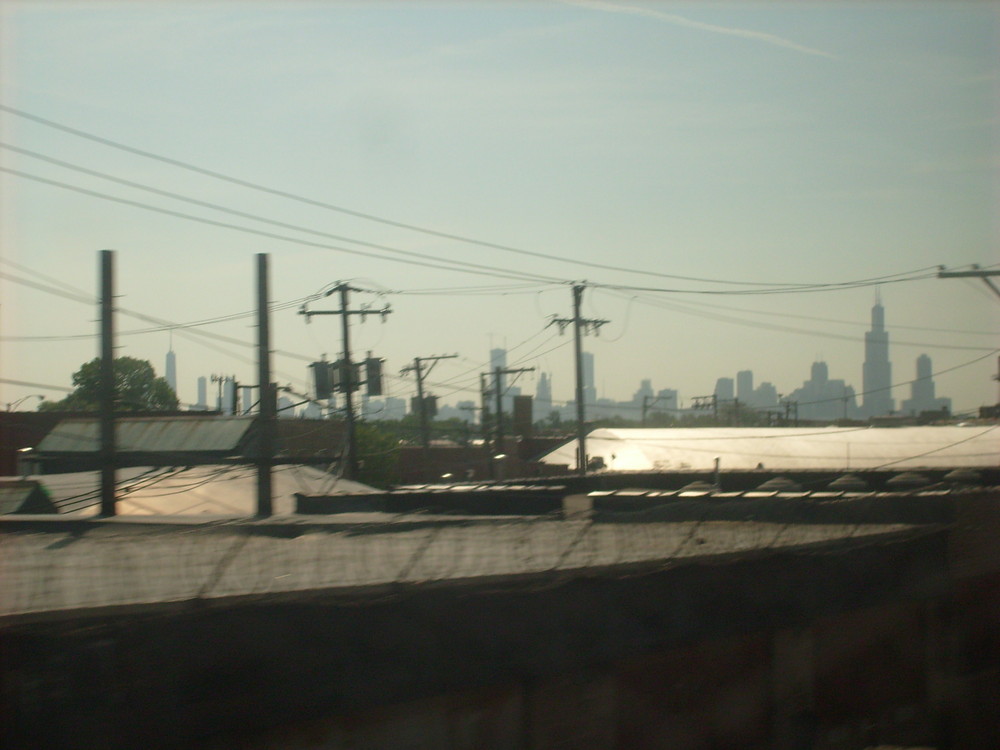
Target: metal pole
{"type": "Point", "coordinates": [425, 429]}
{"type": "Point", "coordinates": [266, 415]}
{"type": "Point", "coordinates": [499, 405]}
{"type": "Point", "coordinates": [581, 432]}
{"type": "Point", "coordinates": [351, 457]}
{"type": "Point", "coordinates": [107, 386]}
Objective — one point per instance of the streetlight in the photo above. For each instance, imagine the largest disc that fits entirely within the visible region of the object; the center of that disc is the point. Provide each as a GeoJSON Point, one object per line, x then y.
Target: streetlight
{"type": "Point", "coordinates": [15, 404]}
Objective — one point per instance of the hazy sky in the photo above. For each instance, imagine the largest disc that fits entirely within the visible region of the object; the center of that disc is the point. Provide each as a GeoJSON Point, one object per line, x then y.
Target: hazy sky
{"type": "Point", "coordinates": [751, 146]}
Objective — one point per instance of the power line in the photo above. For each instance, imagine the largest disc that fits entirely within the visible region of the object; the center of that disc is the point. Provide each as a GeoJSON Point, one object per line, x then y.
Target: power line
{"type": "Point", "coordinates": [234, 212]}
{"type": "Point", "coordinates": [367, 216]}
{"type": "Point", "coordinates": [680, 307]}
{"type": "Point", "coordinates": [455, 265]}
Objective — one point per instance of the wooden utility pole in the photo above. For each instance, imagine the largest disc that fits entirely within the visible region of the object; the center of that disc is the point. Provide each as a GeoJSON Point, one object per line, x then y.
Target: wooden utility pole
{"type": "Point", "coordinates": [350, 381]}
{"type": "Point", "coordinates": [417, 367]}
{"type": "Point", "coordinates": [976, 273]}
{"type": "Point", "coordinates": [497, 372]}
{"type": "Point", "coordinates": [580, 326]}
{"type": "Point", "coordinates": [267, 417]}
{"type": "Point", "coordinates": [106, 401]}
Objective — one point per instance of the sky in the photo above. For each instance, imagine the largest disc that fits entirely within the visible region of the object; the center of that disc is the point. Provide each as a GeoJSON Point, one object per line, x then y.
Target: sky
{"type": "Point", "coordinates": [733, 183]}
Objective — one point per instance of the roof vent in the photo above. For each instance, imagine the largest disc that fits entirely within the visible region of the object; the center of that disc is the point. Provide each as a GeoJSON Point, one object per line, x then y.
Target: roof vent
{"type": "Point", "coordinates": [908, 480]}
{"type": "Point", "coordinates": [780, 484]}
{"type": "Point", "coordinates": [848, 483]}
{"type": "Point", "coordinates": [698, 486]}
{"type": "Point", "coordinates": [963, 477]}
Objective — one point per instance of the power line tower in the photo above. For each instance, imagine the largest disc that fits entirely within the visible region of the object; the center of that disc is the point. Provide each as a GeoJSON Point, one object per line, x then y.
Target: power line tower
{"type": "Point", "coordinates": [349, 379]}
{"type": "Point", "coordinates": [417, 368]}
{"type": "Point", "coordinates": [581, 325]}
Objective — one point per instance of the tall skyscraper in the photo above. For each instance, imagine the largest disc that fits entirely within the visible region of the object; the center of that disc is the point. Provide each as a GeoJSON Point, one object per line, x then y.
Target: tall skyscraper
{"type": "Point", "coordinates": [543, 397]}
{"type": "Point", "coordinates": [170, 372]}
{"type": "Point", "coordinates": [498, 358]}
{"type": "Point", "coordinates": [744, 386]}
{"type": "Point", "coordinates": [724, 390]}
{"type": "Point", "coordinates": [589, 386]}
{"type": "Point", "coordinates": [644, 394]}
{"type": "Point", "coordinates": [877, 370]}
{"type": "Point", "coordinates": [922, 396]}
{"type": "Point", "coordinates": [202, 393]}
{"type": "Point", "coordinates": [823, 398]}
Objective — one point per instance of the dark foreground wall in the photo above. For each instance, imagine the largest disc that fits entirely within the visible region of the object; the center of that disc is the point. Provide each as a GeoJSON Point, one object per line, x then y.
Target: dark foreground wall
{"type": "Point", "coordinates": [832, 648]}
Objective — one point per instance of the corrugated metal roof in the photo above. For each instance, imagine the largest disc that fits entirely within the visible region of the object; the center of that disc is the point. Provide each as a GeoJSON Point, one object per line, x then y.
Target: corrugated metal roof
{"type": "Point", "coordinates": [150, 435]}
{"type": "Point", "coordinates": [789, 448]}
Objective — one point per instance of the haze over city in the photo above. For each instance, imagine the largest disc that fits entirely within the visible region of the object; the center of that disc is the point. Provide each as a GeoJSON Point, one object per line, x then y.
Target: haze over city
{"type": "Point", "coordinates": [734, 182]}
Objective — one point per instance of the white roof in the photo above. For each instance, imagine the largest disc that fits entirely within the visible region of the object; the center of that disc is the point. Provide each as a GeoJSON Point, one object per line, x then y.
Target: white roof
{"type": "Point", "coordinates": [226, 490]}
{"type": "Point", "coordinates": [789, 448]}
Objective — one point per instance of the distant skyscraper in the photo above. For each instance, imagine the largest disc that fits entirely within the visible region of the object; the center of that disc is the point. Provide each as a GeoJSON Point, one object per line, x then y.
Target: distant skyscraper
{"type": "Point", "coordinates": [877, 370]}
{"type": "Point", "coordinates": [202, 393]}
{"type": "Point", "coordinates": [171, 370]}
{"type": "Point", "coordinates": [744, 386]}
{"type": "Point", "coordinates": [543, 397]}
{"type": "Point", "coordinates": [765, 396]}
{"type": "Point", "coordinates": [823, 399]}
{"type": "Point", "coordinates": [498, 358]}
{"type": "Point", "coordinates": [666, 400]}
{"type": "Point", "coordinates": [228, 396]}
{"type": "Point", "coordinates": [724, 390]}
{"type": "Point", "coordinates": [286, 408]}
{"type": "Point", "coordinates": [644, 394]}
{"type": "Point", "coordinates": [589, 386]}
{"type": "Point", "coordinates": [922, 397]}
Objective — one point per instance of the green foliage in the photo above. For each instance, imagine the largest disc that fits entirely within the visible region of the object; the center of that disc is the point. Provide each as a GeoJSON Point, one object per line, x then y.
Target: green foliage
{"type": "Point", "coordinates": [137, 388]}
{"type": "Point", "coordinates": [378, 455]}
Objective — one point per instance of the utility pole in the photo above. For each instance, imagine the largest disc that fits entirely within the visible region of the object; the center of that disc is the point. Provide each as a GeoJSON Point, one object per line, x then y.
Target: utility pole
{"type": "Point", "coordinates": [267, 417]}
{"type": "Point", "coordinates": [580, 325]}
{"type": "Point", "coordinates": [497, 372]}
{"type": "Point", "coordinates": [484, 416]}
{"type": "Point", "coordinates": [976, 272]}
{"type": "Point", "coordinates": [417, 367]}
{"type": "Point", "coordinates": [347, 368]}
{"type": "Point", "coordinates": [106, 401]}
{"type": "Point", "coordinates": [707, 402]}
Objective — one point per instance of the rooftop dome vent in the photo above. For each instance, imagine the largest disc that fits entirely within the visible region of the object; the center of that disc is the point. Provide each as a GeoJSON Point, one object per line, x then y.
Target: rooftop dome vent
{"type": "Point", "coordinates": [963, 477]}
{"type": "Point", "coordinates": [781, 484]}
{"type": "Point", "coordinates": [908, 480]}
{"type": "Point", "coordinates": [698, 486]}
{"type": "Point", "coordinates": [848, 483]}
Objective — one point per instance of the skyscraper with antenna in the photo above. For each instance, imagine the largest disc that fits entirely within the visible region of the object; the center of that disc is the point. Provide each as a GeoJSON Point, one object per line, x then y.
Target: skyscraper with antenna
{"type": "Point", "coordinates": [877, 372]}
{"type": "Point", "coordinates": [170, 372]}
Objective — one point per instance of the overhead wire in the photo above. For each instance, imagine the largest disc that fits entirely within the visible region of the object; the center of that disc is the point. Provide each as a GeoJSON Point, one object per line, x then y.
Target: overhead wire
{"type": "Point", "coordinates": [368, 216]}
{"type": "Point", "coordinates": [411, 257]}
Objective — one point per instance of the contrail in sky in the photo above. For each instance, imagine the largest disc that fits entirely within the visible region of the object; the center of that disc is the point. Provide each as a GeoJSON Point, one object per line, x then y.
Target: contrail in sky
{"type": "Point", "coordinates": [676, 20]}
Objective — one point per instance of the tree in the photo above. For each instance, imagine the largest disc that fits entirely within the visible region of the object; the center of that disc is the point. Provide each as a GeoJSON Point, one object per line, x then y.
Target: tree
{"type": "Point", "coordinates": [137, 388]}
{"type": "Point", "coordinates": [378, 451]}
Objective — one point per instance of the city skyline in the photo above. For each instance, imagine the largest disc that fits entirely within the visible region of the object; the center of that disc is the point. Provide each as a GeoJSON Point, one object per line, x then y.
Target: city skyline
{"type": "Point", "coordinates": [729, 182]}
{"type": "Point", "coordinates": [819, 397]}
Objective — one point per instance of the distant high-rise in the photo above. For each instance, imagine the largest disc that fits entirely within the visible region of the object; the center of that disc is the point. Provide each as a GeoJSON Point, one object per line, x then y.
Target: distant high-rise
{"type": "Point", "coordinates": [877, 370]}
{"type": "Point", "coordinates": [644, 394]}
{"type": "Point", "coordinates": [589, 386]}
{"type": "Point", "coordinates": [170, 372]}
{"type": "Point", "coordinates": [202, 393]}
{"type": "Point", "coordinates": [922, 397]}
{"type": "Point", "coordinates": [498, 358]}
{"type": "Point", "coordinates": [543, 397]}
{"type": "Point", "coordinates": [744, 386]}
{"type": "Point", "coordinates": [822, 398]}
{"type": "Point", "coordinates": [724, 389]}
